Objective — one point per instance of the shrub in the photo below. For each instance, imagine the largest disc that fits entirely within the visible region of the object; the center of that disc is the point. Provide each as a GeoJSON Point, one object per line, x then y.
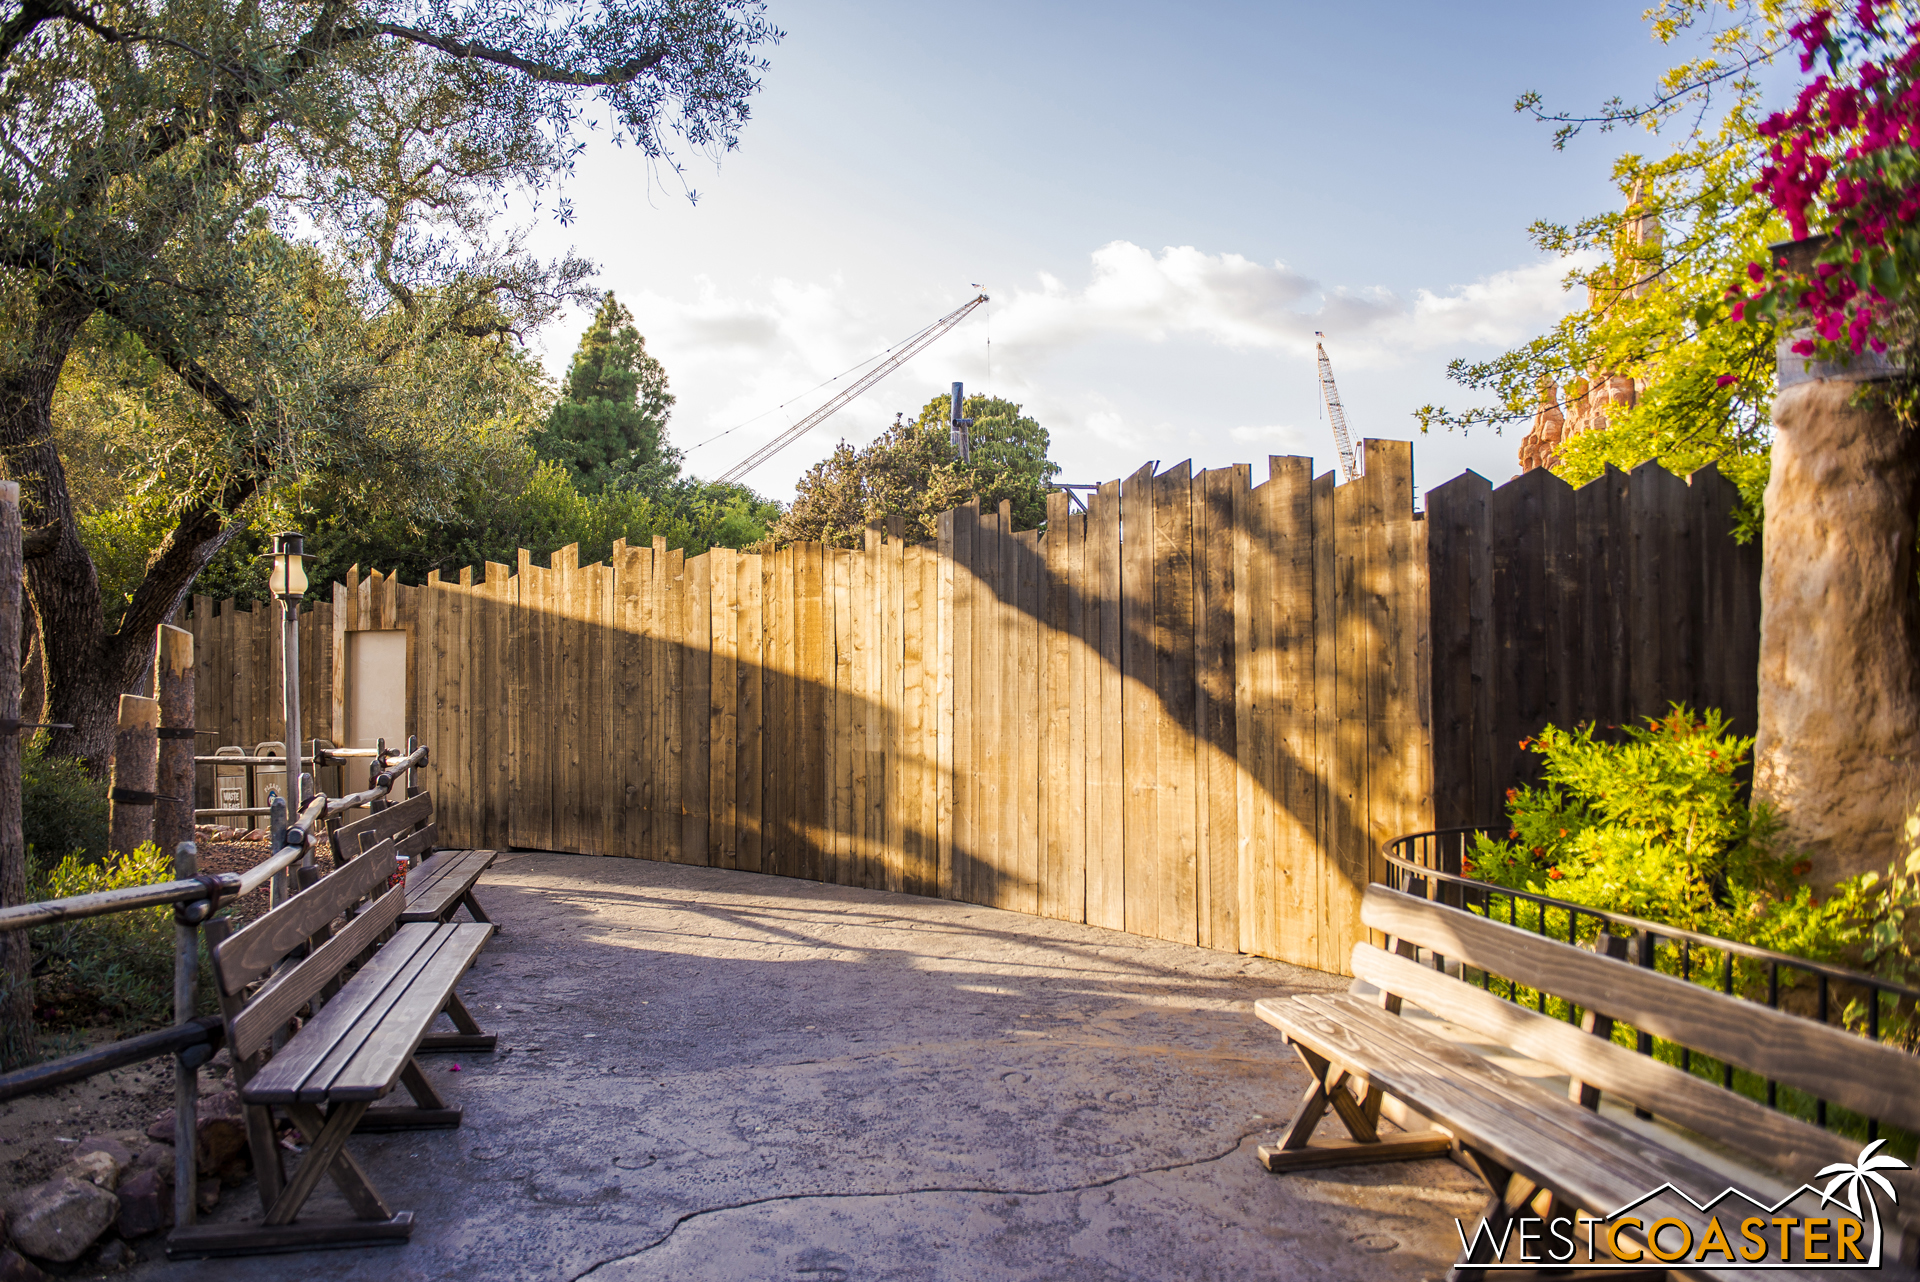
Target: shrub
{"type": "Point", "coordinates": [1655, 826]}
{"type": "Point", "coordinates": [63, 809]}
{"type": "Point", "coordinates": [116, 969]}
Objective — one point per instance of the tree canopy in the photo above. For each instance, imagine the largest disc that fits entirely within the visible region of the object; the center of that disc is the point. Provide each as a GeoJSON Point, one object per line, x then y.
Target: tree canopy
{"type": "Point", "coordinates": [911, 471]}
{"type": "Point", "coordinates": [1658, 271]}
{"type": "Point", "coordinates": [275, 229]}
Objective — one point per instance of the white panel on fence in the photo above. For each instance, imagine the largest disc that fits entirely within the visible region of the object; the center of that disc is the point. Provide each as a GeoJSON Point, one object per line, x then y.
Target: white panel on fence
{"type": "Point", "coordinates": [376, 688]}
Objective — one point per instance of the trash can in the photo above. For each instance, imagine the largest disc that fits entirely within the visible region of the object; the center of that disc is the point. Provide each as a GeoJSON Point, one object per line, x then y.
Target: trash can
{"type": "Point", "coordinates": [230, 791]}
{"type": "Point", "coordinates": [271, 781]}
{"type": "Point", "coordinates": [326, 779]}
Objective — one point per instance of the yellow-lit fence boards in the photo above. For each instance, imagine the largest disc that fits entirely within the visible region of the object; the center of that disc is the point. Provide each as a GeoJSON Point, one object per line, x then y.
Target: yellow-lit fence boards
{"type": "Point", "coordinates": [1194, 711]}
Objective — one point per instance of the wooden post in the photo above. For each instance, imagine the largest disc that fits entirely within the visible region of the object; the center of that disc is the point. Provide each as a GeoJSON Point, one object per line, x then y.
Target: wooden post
{"type": "Point", "coordinates": [16, 1002]}
{"type": "Point", "coordinates": [186, 1080]}
{"type": "Point", "coordinates": [135, 763]}
{"type": "Point", "coordinates": [174, 685]}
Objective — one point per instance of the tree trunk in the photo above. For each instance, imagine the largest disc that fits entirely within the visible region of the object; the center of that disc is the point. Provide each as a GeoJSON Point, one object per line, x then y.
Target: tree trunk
{"type": "Point", "coordinates": [1838, 750]}
{"type": "Point", "coordinates": [16, 957]}
{"type": "Point", "coordinates": [87, 668]}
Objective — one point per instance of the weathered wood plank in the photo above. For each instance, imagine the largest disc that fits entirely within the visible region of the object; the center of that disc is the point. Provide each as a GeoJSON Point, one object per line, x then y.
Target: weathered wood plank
{"type": "Point", "coordinates": [1107, 801]}
{"type": "Point", "coordinates": [1873, 1080]}
{"type": "Point", "coordinates": [1175, 871]}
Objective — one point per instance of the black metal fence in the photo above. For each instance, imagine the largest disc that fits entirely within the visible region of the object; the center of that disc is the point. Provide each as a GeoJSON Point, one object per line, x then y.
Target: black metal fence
{"type": "Point", "coordinates": [1436, 865]}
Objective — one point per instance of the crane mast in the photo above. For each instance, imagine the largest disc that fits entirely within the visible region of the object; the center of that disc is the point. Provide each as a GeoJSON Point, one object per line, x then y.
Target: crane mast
{"type": "Point", "coordinates": [1337, 416]}
{"type": "Point", "coordinates": [907, 350]}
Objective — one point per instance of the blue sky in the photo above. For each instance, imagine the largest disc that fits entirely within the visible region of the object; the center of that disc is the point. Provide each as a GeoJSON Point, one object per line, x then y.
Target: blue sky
{"type": "Point", "coordinates": [1163, 201]}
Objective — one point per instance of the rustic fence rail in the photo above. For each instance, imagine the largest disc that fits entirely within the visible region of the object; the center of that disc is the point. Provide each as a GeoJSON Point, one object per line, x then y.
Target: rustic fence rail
{"type": "Point", "coordinates": [1197, 723]}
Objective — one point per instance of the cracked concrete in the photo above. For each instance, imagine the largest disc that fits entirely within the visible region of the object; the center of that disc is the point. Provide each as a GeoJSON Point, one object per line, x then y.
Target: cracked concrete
{"type": "Point", "coordinates": [715, 1075]}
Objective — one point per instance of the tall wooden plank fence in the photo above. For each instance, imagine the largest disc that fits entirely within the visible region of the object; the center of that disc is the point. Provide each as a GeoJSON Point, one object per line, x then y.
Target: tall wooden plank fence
{"type": "Point", "coordinates": [1193, 712]}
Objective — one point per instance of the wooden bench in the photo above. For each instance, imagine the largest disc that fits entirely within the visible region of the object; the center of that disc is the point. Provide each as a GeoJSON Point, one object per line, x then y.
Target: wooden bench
{"type": "Point", "coordinates": [357, 1043]}
{"type": "Point", "coordinates": [1544, 1155]}
{"type": "Point", "coordinates": [438, 884]}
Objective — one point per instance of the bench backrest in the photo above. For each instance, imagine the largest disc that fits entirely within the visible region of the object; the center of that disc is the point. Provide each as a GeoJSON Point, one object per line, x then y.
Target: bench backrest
{"type": "Point", "coordinates": [1829, 1063]}
{"type": "Point", "coordinates": [247, 955]}
{"type": "Point", "coordinates": [408, 824]}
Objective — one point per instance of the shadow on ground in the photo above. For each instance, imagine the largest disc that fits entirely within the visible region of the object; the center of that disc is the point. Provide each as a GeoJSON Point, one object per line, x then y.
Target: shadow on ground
{"type": "Point", "coordinates": [718, 1075]}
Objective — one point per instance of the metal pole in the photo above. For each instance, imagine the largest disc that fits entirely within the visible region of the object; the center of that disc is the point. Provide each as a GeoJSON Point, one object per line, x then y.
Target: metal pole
{"type": "Point", "coordinates": [276, 832]}
{"type": "Point", "coordinates": [290, 645]}
{"type": "Point", "coordinates": [186, 1074]}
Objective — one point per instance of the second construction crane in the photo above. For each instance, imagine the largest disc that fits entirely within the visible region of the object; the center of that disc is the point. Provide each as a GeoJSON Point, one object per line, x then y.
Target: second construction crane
{"type": "Point", "coordinates": [1335, 414]}
{"type": "Point", "coordinates": [895, 357]}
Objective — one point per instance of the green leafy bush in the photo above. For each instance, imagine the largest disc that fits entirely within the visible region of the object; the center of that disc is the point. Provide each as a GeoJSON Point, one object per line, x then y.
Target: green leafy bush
{"type": "Point", "coordinates": [63, 809]}
{"type": "Point", "coordinates": [116, 969]}
{"type": "Point", "coordinates": [1655, 827]}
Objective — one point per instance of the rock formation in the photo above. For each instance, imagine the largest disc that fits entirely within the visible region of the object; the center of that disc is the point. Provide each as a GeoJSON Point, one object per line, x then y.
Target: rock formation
{"type": "Point", "coordinates": [1589, 401]}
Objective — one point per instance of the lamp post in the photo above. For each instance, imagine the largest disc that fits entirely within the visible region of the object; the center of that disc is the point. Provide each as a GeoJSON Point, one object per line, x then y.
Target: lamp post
{"type": "Point", "coordinates": [287, 579]}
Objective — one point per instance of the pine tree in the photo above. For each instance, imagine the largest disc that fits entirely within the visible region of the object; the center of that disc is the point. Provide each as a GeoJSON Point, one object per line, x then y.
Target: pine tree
{"type": "Point", "coordinates": [610, 424]}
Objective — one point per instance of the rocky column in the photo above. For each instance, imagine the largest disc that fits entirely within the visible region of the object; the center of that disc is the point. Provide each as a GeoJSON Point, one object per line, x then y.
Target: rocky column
{"type": "Point", "coordinates": [1838, 751]}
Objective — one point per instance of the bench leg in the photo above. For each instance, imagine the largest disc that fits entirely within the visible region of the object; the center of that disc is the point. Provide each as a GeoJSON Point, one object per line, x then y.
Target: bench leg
{"type": "Point", "coordinates": [1361, 1117]}
{"type": "Point", "coordinates": [473, 906]}
{"type": "Point", "coordinates": [469, 1038]}
{"type": "Point", "coordinates": [319, 1160]}
{"type": "Point", "coordinates": [431, 1112]}
{"type": "Point", "coordinates": [346, 1173]}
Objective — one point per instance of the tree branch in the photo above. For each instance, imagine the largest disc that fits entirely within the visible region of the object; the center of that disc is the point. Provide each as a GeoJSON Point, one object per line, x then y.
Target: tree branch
{"type": "Point", "coordinates": [626, 73]}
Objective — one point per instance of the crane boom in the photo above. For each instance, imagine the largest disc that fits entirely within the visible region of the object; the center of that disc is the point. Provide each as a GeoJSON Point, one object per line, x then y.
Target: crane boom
{"type": "Point", "coordinates": [905, 352]}
{"type": "Point", "coordinates": [1335, 414]}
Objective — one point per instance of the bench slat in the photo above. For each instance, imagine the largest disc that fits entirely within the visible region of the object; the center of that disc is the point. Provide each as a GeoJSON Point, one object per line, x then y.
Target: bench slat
{"type": "Point", "coordinates": [274, 1005]}
{"type": "Point", "coordinates": [391, 822]}
{"type": "Point", "coordinates": [1592, 1162]}
{"type": "Point", "coordinates": [398, 1035]}
{"type": "Point", "coordinates": [1874, 1080]}
{"type": "Point", "coordinates": [415, 844]}
{"type": "Point", "coordinates": [1522, 1126]}
{"type": "Point", "coordinates": [344, 1020]}
{"type": "Point", "coordinates": [321, 1083]}
{"type": "Point", "coordinates": [244, 957]}
{"type": "Point", "coordinates": [1780, 1141]}
{"type": "Point", "coordinates": [437, 885]}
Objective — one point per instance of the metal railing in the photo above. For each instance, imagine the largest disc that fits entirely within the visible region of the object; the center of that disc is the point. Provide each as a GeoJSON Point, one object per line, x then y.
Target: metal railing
{"type": "Point", "coordinates": [1436, 865]}
{"type": "Point", "coordinates": [195, 896]}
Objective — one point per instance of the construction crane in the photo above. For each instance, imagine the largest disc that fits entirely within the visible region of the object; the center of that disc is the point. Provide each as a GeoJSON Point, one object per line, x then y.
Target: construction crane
{"type": "Point", "coordinates": [897, 357]}
{"type": "Point", "coordinates": [1335, 415]}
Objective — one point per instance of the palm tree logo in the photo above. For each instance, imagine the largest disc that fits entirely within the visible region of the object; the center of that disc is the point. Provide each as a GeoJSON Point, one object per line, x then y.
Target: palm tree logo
{"type": "Point", "coordinates": [1862, 1174]}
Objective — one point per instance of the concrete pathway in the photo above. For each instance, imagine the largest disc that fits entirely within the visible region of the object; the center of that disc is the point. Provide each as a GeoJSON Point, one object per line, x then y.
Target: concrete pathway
{"type": "Point", "coordinates": [717, 1075]}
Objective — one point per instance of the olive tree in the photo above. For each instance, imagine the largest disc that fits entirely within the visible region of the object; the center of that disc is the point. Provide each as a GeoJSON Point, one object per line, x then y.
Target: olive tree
{"type": "Point", "coordinates": [294, 210]}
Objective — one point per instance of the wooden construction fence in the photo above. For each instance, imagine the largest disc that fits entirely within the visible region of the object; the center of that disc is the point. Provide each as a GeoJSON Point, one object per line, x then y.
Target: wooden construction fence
{"type": "Point", "coordinates": [1198, 723]}
{"type": "Point", "coordinates": [1603, 604]}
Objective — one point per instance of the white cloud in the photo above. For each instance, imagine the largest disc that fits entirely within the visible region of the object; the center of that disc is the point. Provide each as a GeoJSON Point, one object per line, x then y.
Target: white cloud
{"type": "Point", "coordinates": [753, 360]}
{"type": "Point", "coordinates": [1235, 302]}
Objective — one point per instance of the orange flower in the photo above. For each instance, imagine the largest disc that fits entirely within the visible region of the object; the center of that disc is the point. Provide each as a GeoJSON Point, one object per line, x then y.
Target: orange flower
{"type": "Point", "coordinates": [1525, 742]}
{"type": "Point", "coordinates": [1563, 832]}
{"type": "Point", "coordinates": [1513, 834]}
{"type": "Point", "coordinates": [1555, 874]}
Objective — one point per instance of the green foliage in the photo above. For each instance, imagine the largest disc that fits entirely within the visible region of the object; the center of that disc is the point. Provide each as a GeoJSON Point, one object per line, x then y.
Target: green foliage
{"type": "Point", "coordinates": [1658, 309]}
{"type": "Point", "coordinates": [270, 233]}
{"type": "Point", "coordinates": [1654, 826]}
{"type": "Point", "coordinates": [117, 968]}
{"type": "Point", "coordinates": [611, 418]}
{"type": "Point", "coordinates": [63, 809]}
{"type": "Point", "coordinates": [912, 471]}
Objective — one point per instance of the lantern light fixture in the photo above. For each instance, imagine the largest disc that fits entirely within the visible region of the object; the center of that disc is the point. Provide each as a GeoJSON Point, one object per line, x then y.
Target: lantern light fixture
{"type": "Point", "coordinates": [287, 572]}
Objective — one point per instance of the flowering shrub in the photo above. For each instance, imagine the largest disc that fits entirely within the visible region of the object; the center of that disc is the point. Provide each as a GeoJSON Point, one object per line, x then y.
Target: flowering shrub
{"type": "Point", "coordinates": [1843, 159]}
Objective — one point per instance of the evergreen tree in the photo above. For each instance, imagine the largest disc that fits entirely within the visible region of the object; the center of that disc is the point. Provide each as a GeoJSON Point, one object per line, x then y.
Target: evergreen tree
{"type": "Point", "coordinates": [611, 419]}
